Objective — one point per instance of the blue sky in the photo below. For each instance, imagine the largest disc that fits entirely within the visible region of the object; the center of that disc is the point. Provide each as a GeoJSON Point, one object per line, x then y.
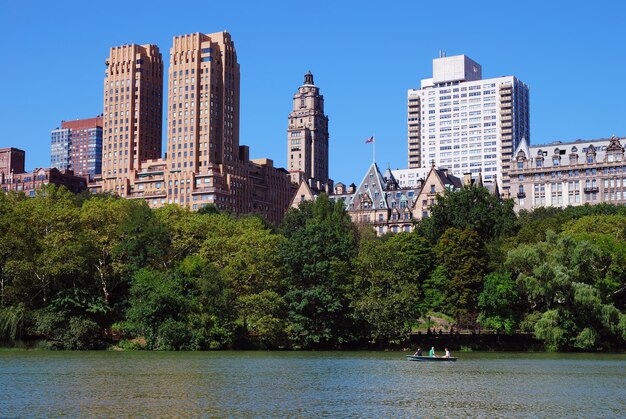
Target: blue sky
{"type": "Point", "coordinates": [364, 55]}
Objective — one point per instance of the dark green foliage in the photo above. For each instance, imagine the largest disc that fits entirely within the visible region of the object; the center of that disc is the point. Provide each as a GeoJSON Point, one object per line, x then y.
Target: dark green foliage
{"type": "Point", "coordinates": [156, 299]}
{"type": "Point", "coordinates": [471, 208]}
{"type": "Point", "coordinates": [461, 254]}
{"type": "Point", "coordinates": [388, 290]}
{"type": "Point", "coordinates": [60, 330]}
{"type": "Point", "coordinates": [318, 260]}
{"type": "Point", "coordinates": [499, 303]}
{"type": "Point", "coordinates": [208, 209]}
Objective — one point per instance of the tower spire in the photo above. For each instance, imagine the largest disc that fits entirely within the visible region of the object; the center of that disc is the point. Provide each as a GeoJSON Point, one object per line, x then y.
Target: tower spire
{"type": "Point", "coordinates": [308, 78]}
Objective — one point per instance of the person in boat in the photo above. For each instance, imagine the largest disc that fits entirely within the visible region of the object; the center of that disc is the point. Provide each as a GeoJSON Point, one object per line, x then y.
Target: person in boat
{"type": "Point", "coordinates": [431, 353]}
{"type": "Point", "coordinates": [447, 355]}
{"type": "Point", "coordinates": [418, 352]}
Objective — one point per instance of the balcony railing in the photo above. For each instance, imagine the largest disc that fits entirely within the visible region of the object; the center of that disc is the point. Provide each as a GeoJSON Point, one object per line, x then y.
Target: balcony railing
{"type": "Point", "coordinates": [591, 189]}
{"type": "Point", "coordinates": [521, 195]}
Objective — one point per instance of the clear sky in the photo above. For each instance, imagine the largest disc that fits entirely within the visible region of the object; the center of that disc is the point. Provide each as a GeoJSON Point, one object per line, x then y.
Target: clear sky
{"type": "Point", "coordinates": [364, 56]}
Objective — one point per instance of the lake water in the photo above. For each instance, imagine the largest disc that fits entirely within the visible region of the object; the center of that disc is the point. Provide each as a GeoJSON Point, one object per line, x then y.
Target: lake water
{"type": "Point", "coordinates": [309, 384]}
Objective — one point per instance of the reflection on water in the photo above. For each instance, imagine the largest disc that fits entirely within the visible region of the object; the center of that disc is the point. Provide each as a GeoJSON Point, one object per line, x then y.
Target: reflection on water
{"type": "Point", "coordinates": [308, 384]}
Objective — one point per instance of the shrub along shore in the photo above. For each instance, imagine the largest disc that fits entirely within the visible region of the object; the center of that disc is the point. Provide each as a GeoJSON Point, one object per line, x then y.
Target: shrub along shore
{"type": "Point", "coordinates": [91, 272]}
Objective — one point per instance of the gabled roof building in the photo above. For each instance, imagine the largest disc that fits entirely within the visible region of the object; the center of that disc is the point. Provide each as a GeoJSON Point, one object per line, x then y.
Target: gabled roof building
{"type": "Point", "coordinates": [379, 201]}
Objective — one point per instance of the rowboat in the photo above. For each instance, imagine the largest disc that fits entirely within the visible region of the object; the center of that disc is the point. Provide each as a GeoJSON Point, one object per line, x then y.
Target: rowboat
{"type": "Point", "coordinates": [430, 358]}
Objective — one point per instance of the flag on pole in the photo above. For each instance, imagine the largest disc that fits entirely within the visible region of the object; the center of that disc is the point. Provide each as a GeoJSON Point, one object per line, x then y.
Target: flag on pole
{"type": "Point", "coordinates": [369, 140]}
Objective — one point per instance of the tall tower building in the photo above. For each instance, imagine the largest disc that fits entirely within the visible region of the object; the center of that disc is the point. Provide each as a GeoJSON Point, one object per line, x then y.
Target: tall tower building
{"type": "Point", "coordinates": [203, 102]}
{"type": "Point", "coordinates": [77, 146]}
{"type": "Point", "coordinates": [307, 136]}
{"type": "Point", "coordinates": [465, 123]}
{"type": "Point", "coordinates": [204, 163]}
{"type": "Point", "coordinates": [132, 118]}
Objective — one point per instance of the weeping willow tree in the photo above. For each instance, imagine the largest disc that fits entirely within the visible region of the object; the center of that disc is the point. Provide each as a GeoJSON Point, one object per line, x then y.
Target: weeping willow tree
{"type": "Point", "coordinates": [12, 323]}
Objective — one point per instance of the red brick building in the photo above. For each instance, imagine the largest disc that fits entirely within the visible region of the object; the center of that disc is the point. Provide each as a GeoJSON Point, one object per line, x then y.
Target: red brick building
{"type": "Point", "coordinates": [11, 160]}
{"type": "Point", "coordinates": [14, 178]}
{"type": "Point", "coordinates": [86, 145]}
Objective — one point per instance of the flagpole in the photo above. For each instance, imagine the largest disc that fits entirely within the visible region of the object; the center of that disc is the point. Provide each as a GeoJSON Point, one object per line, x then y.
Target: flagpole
{"type": "Point", "coordinates": [374, 149]}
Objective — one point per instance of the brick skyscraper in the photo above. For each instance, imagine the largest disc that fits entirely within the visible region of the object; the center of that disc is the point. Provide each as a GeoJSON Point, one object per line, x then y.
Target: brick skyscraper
{"type": "Point", "coordinates": [204, 163]}
{"type": "Point", "coordinates": [133, 90]}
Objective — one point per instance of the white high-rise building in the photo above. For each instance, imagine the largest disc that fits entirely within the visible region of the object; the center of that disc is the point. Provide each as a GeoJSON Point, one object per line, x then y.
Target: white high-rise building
{"type": "Point", "coordinates": [465, 123]}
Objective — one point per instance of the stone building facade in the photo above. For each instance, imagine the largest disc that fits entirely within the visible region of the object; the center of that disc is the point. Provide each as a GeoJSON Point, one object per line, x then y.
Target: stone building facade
{"type": "Point", "coordinates": [562, 174]}
{"type": "Point", "coordinates": [307, 137]}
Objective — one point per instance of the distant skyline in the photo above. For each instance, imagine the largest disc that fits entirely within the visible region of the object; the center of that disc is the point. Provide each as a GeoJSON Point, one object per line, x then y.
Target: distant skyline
{"type": "Point", "coordinates": [364, 58]}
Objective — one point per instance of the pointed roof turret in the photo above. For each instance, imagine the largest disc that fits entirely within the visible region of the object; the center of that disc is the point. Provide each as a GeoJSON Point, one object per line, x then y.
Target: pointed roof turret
{"type": "Point", "coordinates": [391, 182]}
{"type": "Point", "coordinates": [308, 78]}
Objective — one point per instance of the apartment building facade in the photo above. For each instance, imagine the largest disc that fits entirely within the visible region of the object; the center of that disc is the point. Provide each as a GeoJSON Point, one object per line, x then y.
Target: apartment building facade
{"type": "Point", "coordinates": [13, 176]}
{"type": "Point", "coordinates": [467, 124]}
{"type": "Point", "coordinates": [77, 146]}
{"type": "Point", "coordinates": [561, 174]}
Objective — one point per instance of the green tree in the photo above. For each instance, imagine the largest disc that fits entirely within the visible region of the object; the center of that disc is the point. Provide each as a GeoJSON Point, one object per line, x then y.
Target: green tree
{"type": "Point", "coordinates": [296, 218]}
{"type": "Point", "coordinates": [461, 255]}
{"type": "Point", "coordinates": [212, 311]}
{"type": "Point", "coordinates": [317, 259]}
{"type": "Point", "coordinates": [55, 256]}
{"type": "Point", "coordinates": [157, 306]}
{"type": "Point", "coordinates": [562, 282]}
{"type": "Point", "coordinates": [498, 303]}
{"type": "Point", "coordinates": [145, 241]}
{"type": "Point", "coordinates": [472, 208]}
{"type": "Point", "coordinates": [101, 219]}
{"type": "Point", "coordinates": [388, 284]}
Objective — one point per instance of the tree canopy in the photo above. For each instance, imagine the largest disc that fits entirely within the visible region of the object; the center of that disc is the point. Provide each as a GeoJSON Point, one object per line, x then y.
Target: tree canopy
{"type": "Point", "coordinates": [88, 271]}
